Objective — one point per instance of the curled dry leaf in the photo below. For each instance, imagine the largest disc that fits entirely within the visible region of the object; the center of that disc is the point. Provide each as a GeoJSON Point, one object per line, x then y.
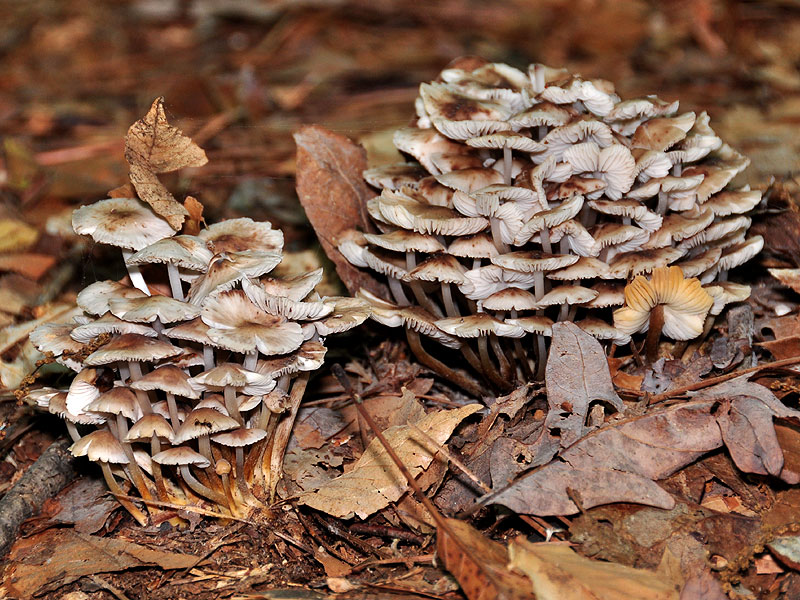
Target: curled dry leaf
{"type": "Point", "coordinates": [334, 195]}
{"type": "Point", "coordinates": [577, 375]}
{"type": "Point", "coordinates": [153, 146]}
{"type": "Point", "coordinates": [557, 572]}
{"type": "Point", "coordinates": [621, 462]}
{"type": "Point", "coordinates": [375, 480]}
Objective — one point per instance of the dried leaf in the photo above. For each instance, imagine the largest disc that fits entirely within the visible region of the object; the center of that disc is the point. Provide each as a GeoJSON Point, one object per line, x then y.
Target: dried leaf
{"type": "Point", "coordinates": [479, 564]}
{"type": "Point", "coordinates": [195, 210]}
{"type": "Point", "coordinates": [375, 480]}
{"type": "Point", "coordinates": [57, 557]}
{"type": "Point", "coordinates": [16, 235]}
{"type": "Point", "coordinates": [788, 277]}
{"type": "Point", "coordinates": [28, 264]}
{"type": "Point", "coordinates": [576, 376]}
{"type": "Point", "coordinates": [153, 146]}
{"type": "Point", "coordinates": [559, 573]}
{"type": "Point", "coordinates": [334, 195]}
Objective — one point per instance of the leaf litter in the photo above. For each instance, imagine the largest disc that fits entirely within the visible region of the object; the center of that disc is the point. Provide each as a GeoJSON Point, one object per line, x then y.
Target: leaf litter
{"type": "Point", "coordinates": [715, 467]}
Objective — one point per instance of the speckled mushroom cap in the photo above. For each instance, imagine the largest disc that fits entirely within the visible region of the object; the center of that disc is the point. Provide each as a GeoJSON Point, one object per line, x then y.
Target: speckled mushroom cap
{"type": "Point", "coordinates": [539, 178]}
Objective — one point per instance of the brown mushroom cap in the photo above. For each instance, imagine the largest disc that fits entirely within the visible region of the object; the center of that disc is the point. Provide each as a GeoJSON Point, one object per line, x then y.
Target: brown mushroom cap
{"type": "Point", "coordinates": [94, 298]}
{"type": "Point", "coordinates": [148, 426]}
{"type": "Point", "coordinates": [122, 222]}
{"type": "Point", "coordinates": [232, 375]}
{"type": "Point", "coordinates": [237, 235]}
{"type": "Point", "coordinates": [108, 323]}
{"type": "Point", "coordinates": [203, 421]}
{"type": "Point", "coordinates": [510, 299]}
{"type": "Point", "coordinates": [181, 456]}
{"type": "Point", "coordinates": [472, 326]}
{"type": "Point", "coordinates": [167, 378]}
{"type": "Point", "coordinates": [530, 261]}
{"type": "Point", "coordinates": [185, 251]}
{"type": "Point", "coordinates": [240, 437]}
{"type": "Point", "coordinates": [100, 446]}
{"type": "Point", "coordinates": [117, 401]}
{"type": "Point", "coordinates": [150, 308]}
{"type": "Point", "coordinates": [132, 347]}
{"type": "Point", "coordinates": [228, 268]}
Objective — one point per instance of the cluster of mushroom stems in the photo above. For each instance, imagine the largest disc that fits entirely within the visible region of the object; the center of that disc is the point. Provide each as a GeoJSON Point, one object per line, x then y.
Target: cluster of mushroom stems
{"type": "Point", "coordinates": [189, 396]}
{"type": "Point", "coordinates": [531, 197]}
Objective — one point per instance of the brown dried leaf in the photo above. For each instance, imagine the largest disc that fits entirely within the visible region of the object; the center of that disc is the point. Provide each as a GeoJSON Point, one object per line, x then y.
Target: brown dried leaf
{"type": "Point", "coordinates": [57, 557]}
{"type": "Point", "coordinates": [479, 564]}
{"type": "Point", "coordinates": [375, 480]}
{"type": "Point", "coordinates": [153, 146]}
{"type": "Point", "coordinates": [788, 277]}
{"type": "Point", "coordinates": [29, 264]}
{"type": "Point", "coordinates": [195, 220]}
{"type": "Point", "coordinates": [576, 376]}
{"type": "Point", "coordinates": [334, 195]}
{"type": "Point", "coordinates": [557, 572]}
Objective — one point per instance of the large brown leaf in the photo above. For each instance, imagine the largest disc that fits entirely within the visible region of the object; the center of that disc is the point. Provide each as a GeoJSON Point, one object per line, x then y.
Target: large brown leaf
{"type": "Point", "coordinates": [576, 376]}
{"type": "Point", "coordinates": [334, 195]}
{"type": "Point", "coordinates": [153, 146]}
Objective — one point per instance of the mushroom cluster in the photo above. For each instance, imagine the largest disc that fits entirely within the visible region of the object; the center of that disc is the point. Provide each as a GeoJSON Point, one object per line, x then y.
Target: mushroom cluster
{"type": "Point", "coordinates": [191, 396]}
{"type": "Point", "coordinates": [535, 196]}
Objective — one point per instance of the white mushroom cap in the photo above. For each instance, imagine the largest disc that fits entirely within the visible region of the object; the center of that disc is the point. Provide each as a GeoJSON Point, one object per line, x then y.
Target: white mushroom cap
{"type": "Point", "coordinates": [662, 133]}
{"type": "Point", "coordinates": [55, 338]}
{"type": "Point", "coordinates": [405, 241]}
{"type": "Point", "coordinates": [729, 203]}
{"type": "Point", "coordinates": [281, 305]}
{"type": "Point", "coordinates": [94, 298]}
{"type": "Point", "coordinates": [240, 437]}
{"type": "Point", "coordinates": [233, 375]}
{"type": "Point", "coordinates": [475, 246]}
{"type": "Point", "coordinates": [100, 446]}
{"type": "Point", "coordinates": [57, 405]}
{"type": "Point", "coordinates": [122, 222]}
{"type": "Point", "coordinates": [549, 218]}
{"type": "Point", "coordinates": [132, 347]}
{"type": "Point", "coordinates": [346, 314]}
{"type": "Point", "coordinates": [566, 294]}
{"type": "Point", "coordinates": [186, 251]}
{"type": "Point", "coordinates": [643, 261]}
{"type": "Point", "coordinates": [191, 331]}
{"type": "Point", "coordinates": [470, 180]}
{"type": "Point", "coordinates": [238, 235]}
{"type": "Point", "coordinates": [82, 391]}
{"type": "Point", "coordinates": [150, 308]}
{"type": "Point", "coordinates": [423, 144]}
{"type": "Point", "coordinates": [412, 215]}
{"type": "Point", "coordinates": [510, 299]}
{"type": "Point", "coordinates": [740, 253]}
{"type": "Point", "coordinates": [238, 325]}
{"type": "Point", "coordinates": [472, 326]}
{"type": "Point", "coordinates": [294, 288]}
{"type": "Point", "coordinates": [543, 113]}
{"type": "Point", "coordinates": [309, 357]}
{"type": "Point", "coordinates": [117, 401]}
{"type": "Point", "coordinates": [700, 263]}
{"type": "Point", "coordinates": [398, 175]}
{"type": "Point", "coordinates": [485, 281]}
{"type": "Point", "coordinates": [530, 261]}
{"type": "Point", "coordinates": [441, 267]}
{"type": "Point", "coordinates": [167, 378]}
{"type": "Point", "coordinates": [584, 268]}
{"type": "Point", "coordinates": [108, 323]}
{"type": "Point", "coordinates": [603, 331]}
{"type": "Point", "coordinates": [181, 455]}
{"type": "Point", "coordinates": [203, 421]}
{"type": "Point", "coordinates": [534, 324]}
{"type": "Point", "coordinates": [227, 269]}
{"type": "Point", "coordinates": [644, 217]}
{"type": "Point", "coordinates": [607, 295]}
{"type": "Point", "coordinates": [726, 292]}
{"type": "Point", "coordinates": [506, 139]}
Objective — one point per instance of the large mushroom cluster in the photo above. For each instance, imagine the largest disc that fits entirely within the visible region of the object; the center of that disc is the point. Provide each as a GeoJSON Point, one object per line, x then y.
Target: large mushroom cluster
{"type": "Point", "coordinates": [535, 196]}
{"type": "Point", "coordinates": [190, 397]}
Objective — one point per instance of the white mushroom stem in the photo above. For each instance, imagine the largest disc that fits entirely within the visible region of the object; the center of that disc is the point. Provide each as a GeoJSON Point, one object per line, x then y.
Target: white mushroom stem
{"type": "Point", "coordinates": [538, 79]}
{"type": "Point", "coordinates": [141, 397]}
{"type": "Point", "coordinates": [447, 298]}
{"type": "Point", "coordinates": [677, 169]}
{"type": "Point", "coordinates": [173, 411]}
{"type": "Point", "coordinates": [397, 291]}
{"type": "Point", "coordinates": [538, 284]}
{"type": "Point", "coordinates": [497, 236]}
{"type": "Point", "coordinates": [422, 298]}
{"type": "Point", "coordinates": [175, 281]}
{"type": "Point", "coordinates": [137, 279]}
{"type": "Point", "coordinates": [120, 495]}
{"type": "Point", "coordinates": [72, 429]}
{"type": "Point", "coordinates": [251, 360]}
{"type": "Point", "coordinates": [663, 202]}
{"type": "Point", "coordinates": [124, 371]}
{"type": "Point", "coordinates": [231, 405]}
{"type": "Point", "coordinates": [546, 245]}
{"type": "Point", "coordinates": [507, 164]}
{"type": "Point", "coordinates": [200, 489]}
{"type": "Point", "coordinates": [208, 358]}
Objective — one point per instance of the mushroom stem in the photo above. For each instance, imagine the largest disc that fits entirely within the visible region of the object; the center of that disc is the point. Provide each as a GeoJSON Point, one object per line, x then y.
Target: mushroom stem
{"type": "Point", "coordinates": [397, 291]}
{"type": "Point", "coordinates": [200, 489]}
{"type": "Point", "coordinates": [654, 333]}
{"type": "Point", "coordinates": [538, 79]}
{"type": "Point", "coordinates": [497, 236]}
{"type": "Point", "coordinates": [251, 360]}
{"type": "Point", "coordinates": [208, 358]}
{"type": "Point", "coordinates": [546, 245]}
{"type": "Point", "coordinates": [141, 396]}
{"type": "Point", "coordinates": [119, 494]}
{"type": "Point", "coordinates": [173, 411]}
{"type": "Point", "coordinates": [204, 446]}
{"type": "Point", "coordinates": [72, 429]}
{"type": "Point", "coordinates": [175, 282]}
{"type": "Point", "coordinates": [136, 473]}
{"type": "Point", "coordinates": [447, 297]}
{"type": "Point", "coordinates": [240, 480]}
{"type": "Point", "coordinates": [563, 312]}
{"type": "Point", "coordinates": [541, 351]}
{"type": "Point", "coordinates": [161, 488]}
{"type": "Point", "coordinates": [440, 368]}
{"type": "Point", "coordinates": [486, 363]}
{"type": "Point", "coordinates": [538, 284]}
{"type": "Point", "coordinates": [137, 280]}
{"type": "Point", "coordinates": [502, 359]}
{"type": "Point", "coordinates": [231, 405]}
{"type": "Point", "coordinates": [663, 201]}
{"type": "Point", "coordinates": [722, 276]}
{"type": "Point", "coordinates": [507, 164]}
{"type": "Point", "coordinates": [416, 287]}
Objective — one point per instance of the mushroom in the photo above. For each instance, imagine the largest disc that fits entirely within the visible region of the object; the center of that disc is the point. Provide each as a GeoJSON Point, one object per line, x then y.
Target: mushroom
{"type": "Point", "coordinates": [228, 377]}
{"type": "Point", "coordinates": [123, 222]}
{"type": "Point", "coordinates": [238, 439]}
{"type": "Point", "coordinates": [150, 428]}
{"type": "Point", "coordinates": [180, 251]}
{"type": "Point", "coordinates": [666, 303]}
{"type": "Point", "coordinates": [102, 447]}
{"type": "Point", "coordinates": [184, 457]}
{"type": "Point", "coordinates": [172, 381]}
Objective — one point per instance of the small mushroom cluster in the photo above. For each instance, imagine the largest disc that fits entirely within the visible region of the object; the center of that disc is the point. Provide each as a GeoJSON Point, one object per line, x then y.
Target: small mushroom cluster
{"type": "Point", "coordinates": [535, 196]}
{"type": "Point", "coordinates": [191, 396]}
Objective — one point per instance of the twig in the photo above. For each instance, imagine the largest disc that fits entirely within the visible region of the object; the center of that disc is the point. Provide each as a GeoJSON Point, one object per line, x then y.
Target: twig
{"type": "Point", "coordinates": [53, 470]}
{"type": "Point", "coordinates": [721, 378]}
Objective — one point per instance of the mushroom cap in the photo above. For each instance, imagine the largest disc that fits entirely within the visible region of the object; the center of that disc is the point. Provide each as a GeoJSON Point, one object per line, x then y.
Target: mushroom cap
{"type": "Point", "coordinates": [346, 314]}
{"type": "Point", "coordinates": [727, 292]}
{"type": "Point", "coordinates": [94, 298]}
{"type": "Point", "coordinates": [181, 456]}
{"type": "Point", "coordinates": [82, 391]}
{"type": "Point", "coordinates": [551, 217]}
{"type": "Point", "coordinates": [148, 426]}
{"type": "Point", "coordinates": [740, 253]}
{"type": "Point", "coordinates": [228, 268]}
{"type": "Point", "coordinates": [607, 295]}
{"type": "Point", "coordinates": [700, 263]}
{"type": "Point", "coordinates": [241, 437]}
{"type": "Point", "coordinates": [108, 323]}
{"type": "Point", "coordinates": [472, 326]}
{"type": "Point", "coordinates": [149, 308]}
{"type": "Point", "coordinates": [410, 214]}
{"type": "Point", "coordinates": [237, 235]}
{"type": "Point", "coordinates": [475, 246]}
{"type": "Point", "coordinates": [167, 378]}
{"type": "Point", "coordinates": [510, 299]}
{"type": "Point", "coordinates": [585, 267]}
{"type": "Point", "coordinates": [57, 405]}
{"type": "Point", "coordinates": [530, 261]}
{"type": "Point", "coordinates": [533, 324]}
{"type": "Point", "coordinates": [422, 144]}
{"type": "Point", "coordinates": [397, 175]}
{"type": "Point", "coordinates": [117, 401]}
{"type": "Point", "coordinates": [485, 281]}
{"type": "Point", "coordinates": [506, 139]}
{"type": "Point", "coordinates": [100, 446]}
{"type": "Point", "coordinates": [233, 375]}
{"type": "Point", "coordinates": [132, 347]}
{"type": "Point", "coordinates": [280, 305]}
{"type": "Point", "coordinates": [203, 421]}
{"type": "Point", "coordinates": [643, 261]}
{"type": "Point", "coordinates": [405, 241]}
{"type": "Point", "coordinates": [309, 357]}
{"type": "Point", "coordinates": [685, 303]}
{"type": "Point", "coordinates": [294, 288]}
{"type": "Point", "coordinates": [185, 251]}
{"type": "Point", "coordinates": [633, 209]}
{"type": "Point", "coordinates": [191, 331]}
{"type": "Point", "coordinates": [55, 337]}
{"type": "Point", "coordinates": [235, 323]}
{"type": "Point", "coordinates": [567, 294]}
{"type": "Point", "coordinates": [440, 267]}
{"type": "Point", "coordinates": [662, 132]}
{"type": "Point", "coordinates": [123, 222]}
{"type": "Point", "coordinates": [603, 331]}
